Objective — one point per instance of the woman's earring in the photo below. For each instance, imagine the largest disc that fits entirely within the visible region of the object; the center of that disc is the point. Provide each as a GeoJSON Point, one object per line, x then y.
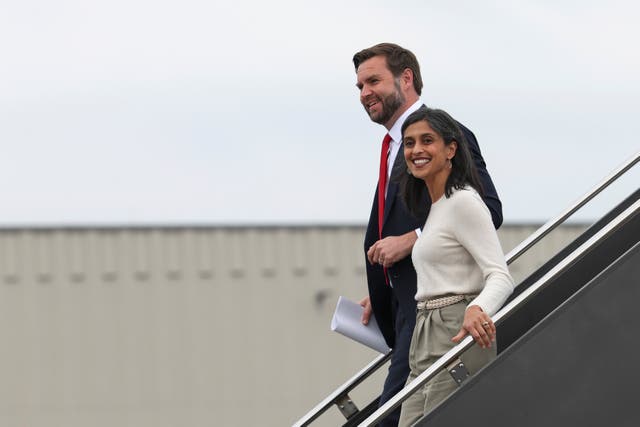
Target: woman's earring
{"type": "Point", "coordinates": [409, 171]}
{"type": "Point", "coordinates": [450, 163]}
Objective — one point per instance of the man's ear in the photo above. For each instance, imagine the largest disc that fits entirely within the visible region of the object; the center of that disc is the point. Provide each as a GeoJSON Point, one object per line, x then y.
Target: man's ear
{"type": "Point", "coordinates": [407, 77]}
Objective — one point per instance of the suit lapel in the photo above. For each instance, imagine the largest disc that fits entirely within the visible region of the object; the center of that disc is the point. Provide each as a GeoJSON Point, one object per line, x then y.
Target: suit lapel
{"type": "Point", "coordinates": [399, 167]}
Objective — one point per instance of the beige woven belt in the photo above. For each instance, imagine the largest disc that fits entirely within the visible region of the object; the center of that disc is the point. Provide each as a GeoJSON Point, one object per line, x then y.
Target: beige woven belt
{"type": "Point", "coordinates": [435, 303]}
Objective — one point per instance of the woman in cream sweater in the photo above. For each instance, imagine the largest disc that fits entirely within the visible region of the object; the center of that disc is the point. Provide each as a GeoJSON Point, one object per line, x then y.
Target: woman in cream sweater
{"type": "Point", "coordinates": [462, 274]}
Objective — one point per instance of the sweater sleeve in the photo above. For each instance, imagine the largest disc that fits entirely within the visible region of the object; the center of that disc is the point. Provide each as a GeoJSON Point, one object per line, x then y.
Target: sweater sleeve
{"type": "Point", "coordinates": [474, 230]}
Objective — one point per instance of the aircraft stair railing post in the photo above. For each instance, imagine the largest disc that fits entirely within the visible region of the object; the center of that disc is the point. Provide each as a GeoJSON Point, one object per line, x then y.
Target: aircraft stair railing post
{"type": "Point", "coordinates": [342, 392]}
{"type": "Point", "coordinates": [340, 396]}
{"type": "Point", "coordinates": [451, 358]}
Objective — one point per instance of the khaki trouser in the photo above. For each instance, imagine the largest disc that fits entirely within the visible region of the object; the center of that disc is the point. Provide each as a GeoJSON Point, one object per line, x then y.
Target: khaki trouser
{"type": "Point", "coordinates": [432, 339]}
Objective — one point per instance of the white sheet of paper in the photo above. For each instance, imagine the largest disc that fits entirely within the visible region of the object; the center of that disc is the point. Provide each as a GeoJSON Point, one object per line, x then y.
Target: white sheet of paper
{"type": "Point", "coordinates": [346, 321]}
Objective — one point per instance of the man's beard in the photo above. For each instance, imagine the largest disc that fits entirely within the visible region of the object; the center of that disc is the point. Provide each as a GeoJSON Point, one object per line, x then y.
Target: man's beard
{"type": "Point", "coordinates": [390, 105]}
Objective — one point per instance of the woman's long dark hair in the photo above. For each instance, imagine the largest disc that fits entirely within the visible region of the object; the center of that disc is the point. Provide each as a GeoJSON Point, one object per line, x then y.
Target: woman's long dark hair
{"type": "Point", "coordinates": [463, 169]}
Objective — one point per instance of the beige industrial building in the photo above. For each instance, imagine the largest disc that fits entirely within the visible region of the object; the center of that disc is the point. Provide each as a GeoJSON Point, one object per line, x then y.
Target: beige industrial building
{"type": "Point", "coordinates": [185, 326]}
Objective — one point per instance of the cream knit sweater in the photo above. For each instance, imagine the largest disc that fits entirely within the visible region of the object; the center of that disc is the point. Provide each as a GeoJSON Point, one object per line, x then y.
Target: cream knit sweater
{"type": "Point", "coordinates": [459, 253]}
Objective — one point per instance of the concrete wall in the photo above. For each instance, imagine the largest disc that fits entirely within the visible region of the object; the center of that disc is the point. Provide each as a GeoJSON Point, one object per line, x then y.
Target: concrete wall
{"type": "Point", "coordinates": [184, 326]}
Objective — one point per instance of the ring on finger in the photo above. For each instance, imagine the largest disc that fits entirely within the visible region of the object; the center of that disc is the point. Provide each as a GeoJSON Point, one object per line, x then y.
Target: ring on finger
{"type": "Point", "coordinates": [485, 324]}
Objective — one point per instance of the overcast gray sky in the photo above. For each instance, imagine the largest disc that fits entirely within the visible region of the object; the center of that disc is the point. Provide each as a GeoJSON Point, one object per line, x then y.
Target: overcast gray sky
{"type": "Point", "coordinates": [246, 112]}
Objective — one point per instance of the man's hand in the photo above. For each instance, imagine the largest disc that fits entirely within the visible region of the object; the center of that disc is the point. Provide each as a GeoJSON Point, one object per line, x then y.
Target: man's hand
{"type": "Point", "coordinates": [391, 249]}
{"type": "Point", "coordinates": [366, 314]}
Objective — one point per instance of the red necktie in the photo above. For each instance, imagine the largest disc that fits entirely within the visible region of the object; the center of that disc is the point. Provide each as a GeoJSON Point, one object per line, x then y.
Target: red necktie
{"type": "Point", "coordinates": [382, 186]}
{"type": "Point", "coordinates": [382, 181]}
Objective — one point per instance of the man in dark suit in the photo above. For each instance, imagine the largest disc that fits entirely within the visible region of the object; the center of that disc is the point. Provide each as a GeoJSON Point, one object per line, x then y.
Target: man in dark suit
{"type": "Point", "coordinates": [390, 84]}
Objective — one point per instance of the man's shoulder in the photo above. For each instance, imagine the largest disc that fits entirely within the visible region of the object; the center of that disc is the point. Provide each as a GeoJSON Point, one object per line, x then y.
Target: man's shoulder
{"type": "Point", "coordinates": [467, 132]}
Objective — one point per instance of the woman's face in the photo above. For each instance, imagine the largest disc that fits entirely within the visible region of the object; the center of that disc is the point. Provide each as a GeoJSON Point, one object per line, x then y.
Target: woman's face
{"type": "Point", "coordinates": [425, 151]}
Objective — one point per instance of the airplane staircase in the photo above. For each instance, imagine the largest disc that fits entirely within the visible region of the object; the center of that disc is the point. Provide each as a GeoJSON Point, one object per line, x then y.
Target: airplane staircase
{"type": "Point", "coordinates": [566, 338]}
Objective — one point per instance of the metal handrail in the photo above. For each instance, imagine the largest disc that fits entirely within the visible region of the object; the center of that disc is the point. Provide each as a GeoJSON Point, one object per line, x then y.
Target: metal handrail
{"type": "Point", "coordinates": [514, 254]}
{"type": "Point", "coordinates": [555, 222]}
{"type": "Point", "coordinates": [349, 385]}
{"type": "Point", "coordinates": [517, 302]}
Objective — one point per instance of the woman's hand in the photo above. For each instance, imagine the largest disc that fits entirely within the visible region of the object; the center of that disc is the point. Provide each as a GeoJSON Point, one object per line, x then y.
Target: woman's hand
{"type": "Point", "coordinates": [479, 325]}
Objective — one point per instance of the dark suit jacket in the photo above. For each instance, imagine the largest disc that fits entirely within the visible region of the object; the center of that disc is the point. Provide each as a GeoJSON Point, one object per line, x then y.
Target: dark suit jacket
{"type": "Point", "coordinates": [398, 221]}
